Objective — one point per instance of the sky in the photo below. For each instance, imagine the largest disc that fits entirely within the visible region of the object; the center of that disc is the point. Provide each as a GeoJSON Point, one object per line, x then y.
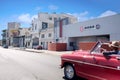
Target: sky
{"type": "Point", "coordinates": [24, 11]}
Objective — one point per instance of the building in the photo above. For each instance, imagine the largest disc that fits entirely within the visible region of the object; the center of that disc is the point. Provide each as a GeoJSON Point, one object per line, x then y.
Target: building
{"type": "Point", "coordinates": [99, 29]}
{"type": "Point", "coordinates": [4, 36]}
{"type": "Point", "coordinates": [25, 37]}
{"type": "Point", "coordinates": [13, 28]}
{"type": "Point", "coordinates": [58, 28]}
{"type": "Point", "coordinates": [0, 42]}
{"type": "Point", "coordinates": [13, 31]}
{"type": "Point", "coordinates": [16, 36]}
{"type": "Point", "coordinates": [42, 29]}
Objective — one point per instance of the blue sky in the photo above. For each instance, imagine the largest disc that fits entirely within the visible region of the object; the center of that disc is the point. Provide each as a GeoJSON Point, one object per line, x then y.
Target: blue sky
{"type": "Point", "coordinates": [24, 11]}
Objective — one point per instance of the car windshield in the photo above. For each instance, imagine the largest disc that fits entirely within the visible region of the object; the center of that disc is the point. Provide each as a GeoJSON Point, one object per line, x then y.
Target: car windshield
{"type": "Point", "coordinates": [97, 48]}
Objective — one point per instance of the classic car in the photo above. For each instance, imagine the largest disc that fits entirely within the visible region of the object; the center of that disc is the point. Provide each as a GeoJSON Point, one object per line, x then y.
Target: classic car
{"type": "Point", "coordinates": [91, 65]}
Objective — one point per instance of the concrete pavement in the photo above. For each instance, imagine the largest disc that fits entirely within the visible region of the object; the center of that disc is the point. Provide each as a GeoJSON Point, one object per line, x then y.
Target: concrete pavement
{"type": "Point", "coordinates": [23, 65]}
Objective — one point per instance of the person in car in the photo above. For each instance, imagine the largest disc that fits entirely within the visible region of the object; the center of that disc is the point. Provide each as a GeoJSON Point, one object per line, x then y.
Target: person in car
{"type": "Point", "coordinates": [115, 45]}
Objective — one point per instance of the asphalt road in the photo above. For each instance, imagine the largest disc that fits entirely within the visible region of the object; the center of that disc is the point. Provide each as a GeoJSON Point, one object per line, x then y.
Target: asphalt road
{"type": "Point", "coordinates": [22, 65]}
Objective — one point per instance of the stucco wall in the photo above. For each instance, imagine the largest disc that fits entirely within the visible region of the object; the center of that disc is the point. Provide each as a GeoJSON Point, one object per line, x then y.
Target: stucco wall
{"type": "Point", "coordinates": [57, 46]}
{"type": "Point", "coordinates": [107, 26]}
{"type": "Point", "coordinates": [86, 45]}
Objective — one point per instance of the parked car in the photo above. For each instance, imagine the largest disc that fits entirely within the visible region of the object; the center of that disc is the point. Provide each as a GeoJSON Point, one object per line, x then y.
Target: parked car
{"type": "Point", "coordinates": [5, 46]}
{"type": "Point", "coordinates": [38, 47]}
{"type": "Point", "coordinates": [92, 65]}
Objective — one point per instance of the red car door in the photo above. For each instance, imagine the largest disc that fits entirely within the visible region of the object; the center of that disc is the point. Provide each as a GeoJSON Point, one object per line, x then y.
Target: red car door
{"type": "Point", "coordinates": [87, 69]}
{"type": "Point", "coordinates": [107, 67]}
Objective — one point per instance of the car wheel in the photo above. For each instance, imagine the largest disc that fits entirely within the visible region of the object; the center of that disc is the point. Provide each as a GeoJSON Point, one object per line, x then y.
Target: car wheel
{"type": "Point", "coordinates": [69, 72]}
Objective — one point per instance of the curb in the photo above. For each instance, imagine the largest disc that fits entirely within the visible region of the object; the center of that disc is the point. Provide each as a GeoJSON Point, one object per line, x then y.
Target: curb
{"type": "Point", "coordinates": [58, 53]}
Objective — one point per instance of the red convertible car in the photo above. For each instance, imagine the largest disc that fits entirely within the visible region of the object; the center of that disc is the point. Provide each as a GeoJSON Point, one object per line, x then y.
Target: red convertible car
{"type": "Point", "coordinates": [91, 65]}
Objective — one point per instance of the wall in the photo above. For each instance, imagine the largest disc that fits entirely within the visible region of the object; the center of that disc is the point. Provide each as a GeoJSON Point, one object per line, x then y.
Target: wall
{"type": "Point", "coordinates": [86, 45]}
{"type": "Point", "coordinates": [57, 46]}
{"type": "Point", "coordinates": [107, 26]}
{"type": "Point", "coordinates": [105, 29]}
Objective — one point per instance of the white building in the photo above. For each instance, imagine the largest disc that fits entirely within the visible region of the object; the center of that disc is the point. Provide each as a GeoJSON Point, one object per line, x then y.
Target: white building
{"type": "Point", "coordinates": [42, 29]}
{"type": "Point", "coordinates": [25, 37]}
{"type": "Point", "coordinates": [103, 29]}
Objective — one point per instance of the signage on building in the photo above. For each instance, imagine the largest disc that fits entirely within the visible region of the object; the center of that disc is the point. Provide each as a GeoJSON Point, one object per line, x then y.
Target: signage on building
{"type": "Point", "coordinates": [83, 28]}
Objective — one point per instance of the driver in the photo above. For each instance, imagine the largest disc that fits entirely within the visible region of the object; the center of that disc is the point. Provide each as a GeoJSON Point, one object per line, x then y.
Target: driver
{"type": "Point", "coordinates": [115, 45]}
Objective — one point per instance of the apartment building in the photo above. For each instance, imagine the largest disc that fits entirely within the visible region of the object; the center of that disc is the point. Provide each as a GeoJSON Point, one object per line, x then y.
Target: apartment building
{"type": "Point", "coordinates": [24, 37]}
{"type": "Point", "coordinates": [43, 28]}
{"type": "Point", "coordinates": [41, 32]}
{"type": "Point", "coordinates": [13, 31]}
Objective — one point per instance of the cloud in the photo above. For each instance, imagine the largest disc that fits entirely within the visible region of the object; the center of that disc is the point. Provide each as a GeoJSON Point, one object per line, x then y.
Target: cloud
{"type": "Point", "coordinates": [38, 8]}
{"type": "Point", "coordinates": [34, 16]}
{"type": "Point", "coordinates": [107, 13]}
{"type": "Point", "coordinates": [82, 16]}
{"type": "Point", "coordinates": [26, 18]}
{"type": "Point", "coordinates": [52, 7]}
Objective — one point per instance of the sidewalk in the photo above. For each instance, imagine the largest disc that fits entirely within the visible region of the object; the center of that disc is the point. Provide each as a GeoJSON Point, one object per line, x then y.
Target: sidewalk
{"type": "Point", "coordinates": [59, 53]}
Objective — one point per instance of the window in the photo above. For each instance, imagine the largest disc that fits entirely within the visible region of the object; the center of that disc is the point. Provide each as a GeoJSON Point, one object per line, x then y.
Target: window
{"type": "Point", "coordinates": [35, 26]}
{"type": "Point", "coordinates": [50, 18]}
{"type": "Point", "coordinates": [32, 26]}
{"type": "Point", "coordinates": [44, 25]}
{"type": "Point", "coordinates": [28, 43]}
{"type": "Point", "coordinates": [65, 21]}
{"type": "Point", "coordinates": [49, 35]}
{"type": "Point", "coordinates": [41, 43]}
{"type": "Point", "coordinates": [42, 36]}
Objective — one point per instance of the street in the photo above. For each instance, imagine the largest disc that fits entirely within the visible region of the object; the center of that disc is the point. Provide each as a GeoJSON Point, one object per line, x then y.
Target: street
{"type": "Point", "coordinates": [22, 65]}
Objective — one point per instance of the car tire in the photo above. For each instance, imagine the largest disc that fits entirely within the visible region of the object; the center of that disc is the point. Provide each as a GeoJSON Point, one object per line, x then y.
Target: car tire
{"type": "Point", "coordinates": [69, 72]}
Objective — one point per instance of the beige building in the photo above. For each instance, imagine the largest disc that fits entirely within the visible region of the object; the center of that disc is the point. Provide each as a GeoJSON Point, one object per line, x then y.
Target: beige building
{"type": "Point", "coordinates": [13, 31]}
{"type": "Point", "coordinates": [16, 36]}
{"type": "Point", "coordinates": [42, 29]}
